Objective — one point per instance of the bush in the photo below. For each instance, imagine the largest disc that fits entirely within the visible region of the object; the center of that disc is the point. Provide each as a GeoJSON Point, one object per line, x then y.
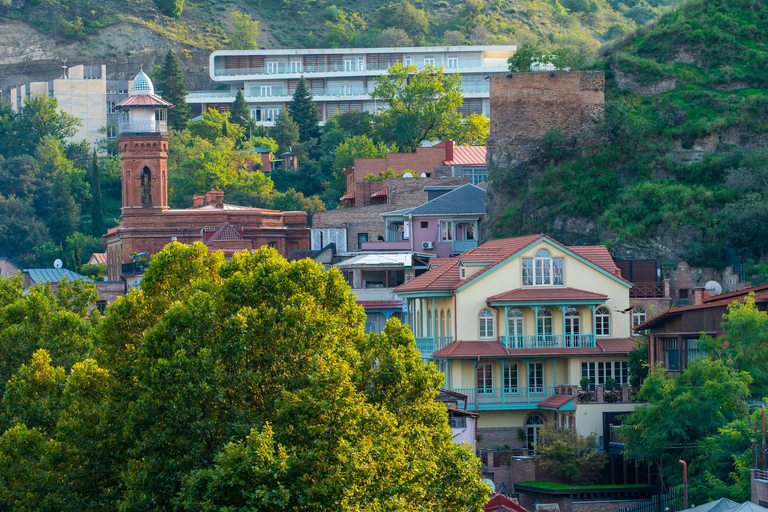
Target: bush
{"type": "Point", "coordinates": [171, 8]}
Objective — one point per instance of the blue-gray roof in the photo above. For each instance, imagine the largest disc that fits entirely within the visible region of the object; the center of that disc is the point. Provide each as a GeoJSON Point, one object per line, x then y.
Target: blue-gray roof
{"type": "Point", "coordinates": [465, 200]}
{"type": "Point", "coordinates": [54, 275]}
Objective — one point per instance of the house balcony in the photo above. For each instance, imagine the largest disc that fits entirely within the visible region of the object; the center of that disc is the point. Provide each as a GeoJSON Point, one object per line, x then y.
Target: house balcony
{"type": "Point", "coordinates": [283, 68]}
{"type": "Point", "coordinates": [548, 341]}
{"type": "Point", "coordinates": [427, 345]}
{"type": "Point", "coordinates": [134, 268]}
{"type": "Point", "coordinates": [647, 290]}
{"type": "Point", "coordinates": [496, 399]}
{"type": "Point", "coordinates": [151, 126]}
{"type": "Point", "coordinates": [460, 246]}
{"type": "Point", "coordinates": [400, 245]}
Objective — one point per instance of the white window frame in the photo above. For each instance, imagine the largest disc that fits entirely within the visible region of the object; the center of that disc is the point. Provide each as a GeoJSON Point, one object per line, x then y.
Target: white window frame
{"type": "Point", "coordinates": [515, 326]}
{"type": "Point", "coordinates": [429, 60]}
{"type": "Point", "coordinates": [349, 64]}
{"type": "Point", "coordinates": [600, 371]}
{"type": "Point", "coordinates": [485, 326]}
{"type": "Point", "coordinates": [452, 62]}
{"type": "Point", "coordinates": [484, 378]}
{"type": "Point", "coordinates": [295, 65]}
{"type": "Point", "coordinates": [639, 316]}
{"type": "Point", "coordinates": [407, 60]}
{"type": "Point", "coordinates": [270, 113]}
{"type": "Point", "coordinates": [272, 67]}
{"type": "Point", "coordinates": [265, 90]}
{"type": "Point", "coordinates": [361, 63]}
{"type": "Point", "coordinates": [446, 228]}
{"type": "Point", "coordinates": [511, 378]}
{"type": "Point", "coordinates": [544, 325]}
{"type": "Point", "coordinates": [602, 321]}
{"type": "Point", "coordinates": [541, 270]}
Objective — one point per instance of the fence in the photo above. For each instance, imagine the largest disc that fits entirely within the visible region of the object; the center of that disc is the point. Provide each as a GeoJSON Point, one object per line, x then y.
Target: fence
{"type": "Point", "coordinates": [672, 502]}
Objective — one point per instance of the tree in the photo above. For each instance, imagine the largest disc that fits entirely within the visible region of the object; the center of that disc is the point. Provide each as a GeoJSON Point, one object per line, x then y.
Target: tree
{"type": "Point", "coordinates": [239, 112]}
{"type": "Point", "coordinates": [393, 37]}
{"type": "Point", "coordinates": [347, 27]}
{"type": "Point", "coordinates": [171, 83]}
{"type": "Point", "coordinates": [304, 112]}
{"type": "Point", "coordinates": [285, 131]}
{"type": "Point", "coordinates": [20, 230]}
{"type": "Point", "coordinates": [404, 16]}
{"type": "Point", "coordinates": [171, 8]}
{"type": "Point", "coordinates": [245, 33]}
{"type": "Point", "coordinates": [97, 209]}
{"type": "Point", "coordinates": [212, 127]}
{"type": "Point", "coordinates": [38, 120]}
{"type": "Point", "coordinates": [568, 454]}
{"type": "Point", "coordinates": [524, 59]}
{"type": "Point", "coordinates": [422, 105]}
{"type": "Point", "coordinates": [358, 146]}
{"type": "Point", "coordinates": [638, 362]}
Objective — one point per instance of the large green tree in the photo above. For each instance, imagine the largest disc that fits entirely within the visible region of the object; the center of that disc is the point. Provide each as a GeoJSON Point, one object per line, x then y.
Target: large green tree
{"type": "Point", "coordinates": [304, 112]}
{"type": "Point", "coordinates": [568, 454]}
{"type": "Point", "coordinates": [97, 207]}
{"type": "Point", "coordinates": [245, 32]}
{"type": "Point", "coordinates": [171, 83]}
{"type": "Point", "coordinates": [285, 131]}
{"type": "Point", "coordinates": [239, 113]}
{"type": "Point", "coordinates": [38, 120]}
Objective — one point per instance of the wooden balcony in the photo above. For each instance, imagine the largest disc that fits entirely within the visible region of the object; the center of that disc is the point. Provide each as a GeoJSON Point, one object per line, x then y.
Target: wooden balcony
{"type": "Point", "coordinates": [647, 290]}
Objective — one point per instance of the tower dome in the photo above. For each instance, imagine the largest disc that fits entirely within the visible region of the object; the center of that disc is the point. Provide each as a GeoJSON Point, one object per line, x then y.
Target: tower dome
{"type": "Point", "coordinates": [141, 85]}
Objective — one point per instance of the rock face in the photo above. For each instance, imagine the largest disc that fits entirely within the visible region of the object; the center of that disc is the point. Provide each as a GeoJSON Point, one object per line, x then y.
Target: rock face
{"type": "Point", "coordinates": [27, 55]}
{"type": "Point", "coordinates": [627, 81]}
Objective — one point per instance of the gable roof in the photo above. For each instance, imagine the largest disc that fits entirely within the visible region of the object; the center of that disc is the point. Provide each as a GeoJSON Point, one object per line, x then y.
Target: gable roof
{"type": "Point", "coordinates": [99, 257]}
{"type": "Point", "coordinates": [738, 293]}
{"type": "Point", "coordinates": [441, 278]}
{"type": "Point", "coordinates": [468, 155]}
{"type": "Point", "coordinates": [464, 200]}
{"type": "Point", "coordinates": [224, 231]}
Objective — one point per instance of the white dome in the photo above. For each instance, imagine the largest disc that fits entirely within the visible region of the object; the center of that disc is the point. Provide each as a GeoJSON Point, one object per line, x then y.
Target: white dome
{"type": "Point", "coordinates": [141, 85]}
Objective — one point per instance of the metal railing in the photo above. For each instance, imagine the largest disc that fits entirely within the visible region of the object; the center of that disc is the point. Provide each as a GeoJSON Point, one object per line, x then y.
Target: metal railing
{"type": "Point", "coordinates": [647, 290]}
{"type": "Point", "coordinates": [463, 245]}
{"type": "Point", "coordinates": [548, 341]}
{"type": "Point", "coordinates": [427, 345]}
{"type": "Point", "coordinates": [672, 502]}
{"type": "Point", "coordinates": [143, 127]}
{"type": "Point", "coordinates": [344, 67]}
{"type": "Point", "coordinates": [134, 268]}
{"type": "Point", "coordinates": [504, 396]}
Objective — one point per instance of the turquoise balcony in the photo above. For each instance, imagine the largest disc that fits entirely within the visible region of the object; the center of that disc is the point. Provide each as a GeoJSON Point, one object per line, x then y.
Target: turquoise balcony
{"type": "Point", "coordinates": [427, 345]}
{"type": "Point", "coordinates": [548, 341]}
{"type": "Point", "coordinates": [460, 246]}
{"type": "Point", "coordinates": [495, 399]}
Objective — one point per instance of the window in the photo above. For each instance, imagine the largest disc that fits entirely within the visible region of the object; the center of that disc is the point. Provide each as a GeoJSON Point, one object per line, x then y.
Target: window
{"type": "Point", "coordinates": [295, 65]}
{"type": "Point", "coordinates": [450, 325]}
{"type": "Point", "coordinates": [683, 294]}
{"type": "Point", "coordinates": [544, 325]}
{"type": "Point", "coordinates": [462, 272]}
{"type": "Point", "coordinates": [694, 351]}
{"type": "Point", "coordinates": [429, 323]}
{"type": "Point", "coordinates": [638, 316]}
{"type": "Point", "coordinates": [408, 60]}
{"type": "Point", "coordinates": [515, 329]}
{"type": "Point", "coordinates": [510, 378]}
{"type": "Point", "coordinates": [477, 175]}
{"type": "Point", "coordinates": [272, 67]}
{"type": "Point", "coordinates": [361, 237]}
{"type": "Point", "coordinates": [271, 113]}
{"type": "Point", "coordinates": [572, 327]}
{"type": "Point", "coordinates": [532, 426]}
{"type": "Point", "coordinates": [486, 324]}
{"type": "Point", "coordinates": [453, 61]}
{"type": "Point", "coordinates": [429, 60]}
{"type": "Point", "coordinates": [484, 376]}
{"type": "Point", "coordinates": [424, 224]}
{"type": "Point", "coordinates": [536, 376]}
{"type": "Point", "coordinates": [348, 276]}
{"type": "Point", "coordinates": [542, 270]}
{"type": "Point", "coordinates": [349, 64]}
{"type": "Point", "coordinates": [111, 107]}
{"type": "Point", "coordinates": [361, 63]}
{"type": "Point", "coordinates": [671, 353]}
{"type": "Point", "coordinates": [101, 306]}
{"type": "Point", "coordinates": [446, 231]}
{"type": "Point", "coordinates": [265, 90]}
{"type": "Point", "coordinates": [602, 321]}
{"type": "Point", "coordinates": [456, 421]}
{"type": "Point", "coordinates": [111, 131]}
{"type": "Point", "coordinates": [600, 371]}
{"type": "Point", "coordinates": [442, 323]}
{"type": "Point", "coordinates": [146, 187]}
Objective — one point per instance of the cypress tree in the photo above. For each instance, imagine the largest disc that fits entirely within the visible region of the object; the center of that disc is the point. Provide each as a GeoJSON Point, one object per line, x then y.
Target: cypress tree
{"type": "Point", "coordinates": [304, 112]}
{"type": "Point", "coordinates": [239, 114]}
{"type": "Point", "coordinates": [172, 85]}
{"type": "Point", "coordinates": [97, 211]}
{"type": "Point", "coordinates": [224, 130]}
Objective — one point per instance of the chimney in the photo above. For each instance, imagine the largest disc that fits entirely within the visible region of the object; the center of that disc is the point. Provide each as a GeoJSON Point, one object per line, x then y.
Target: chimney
{"type": "Point", "coordinates": [216, 198]}
{"type": "Point", "coordinates": [198, 201]}
{"type": "Point", "coordinates": [698, 295]}
{"type": "Point", "coordinates": [448, 150]}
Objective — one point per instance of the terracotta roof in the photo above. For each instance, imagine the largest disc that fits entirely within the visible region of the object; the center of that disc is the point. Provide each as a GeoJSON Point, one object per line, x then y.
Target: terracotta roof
{"type": "Point", "coordinates": [148, 100]}
{"type": "Point", "coordinates": [556, 401]}
{"type": "Point", "coordinates": [381, 193]}
{"type": "Point", "coordinates": [529, 294]}
{"type": "Point", "coordinates": [436, 262]}
{"type": "Point", "coordinates": [348, 197]}
{"type": "Point", "coordinates": [676, 311]}
{"type": "Point", "coordinates": [739, 293]}
{"type": "Point", "coordinates": [599, 255]}
{"type": "Point", "coordinates": [501, 503]}
{"type": "Point", "coordinates": [99, 257]}
{"type": "Point", "coordinates": [467, 155]}
{"type": "Point", "coordinates": [467, 349]}
{"type": "Point", "coordinates": [462, 412]}
{"type": "Point", "coordinates": [225, 206]}
{"type": "Point", "coordinates": [440, 278]}
{"type": "Point", "coordinates": [224, 231]}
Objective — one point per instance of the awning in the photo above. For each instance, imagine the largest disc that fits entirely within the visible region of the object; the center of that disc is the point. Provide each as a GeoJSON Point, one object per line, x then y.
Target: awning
{"type": "Point", "coordinates": [348, 197]}
{"type": "Point", "coordinates": [381, 193]}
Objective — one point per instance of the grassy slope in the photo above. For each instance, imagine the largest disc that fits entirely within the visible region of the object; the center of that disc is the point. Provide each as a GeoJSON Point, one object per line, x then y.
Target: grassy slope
{"type": "Point", "coordinates": [204, 23]}
{"type": "Point", "coordinates": [716, 52]}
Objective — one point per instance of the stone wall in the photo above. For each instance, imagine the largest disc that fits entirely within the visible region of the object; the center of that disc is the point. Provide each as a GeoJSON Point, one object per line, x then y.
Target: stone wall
{"type": "Point", "coordinates": [525, 105]}
{"type": "Point", "coordinates": [8, 268]}
{"type": "Point", "coordinates": [759, 487]}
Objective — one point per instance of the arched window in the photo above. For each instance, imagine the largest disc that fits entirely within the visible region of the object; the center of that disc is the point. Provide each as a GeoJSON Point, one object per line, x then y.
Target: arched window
{"type": "Point", "coordinates": [638, 316]}
{"type": "Point", "coordinates": [429, 323]}
{"type": "Point", "coordinates": [442, 323]}
{"type": "Point", "coordinates": [532, 426]}
{"type": "Point", "coordinates": [542, 264]}
{"type": "Point", "coordinates": [146, 187]}
{"type": "Point", "coordinates": [486, 324]}
{"type": "Point", "coordinates": [515, 328]}
{"type": "Point", "coordinates": [450, 325]}
{"type": "Point", "coordinates": [602, 321]}
{"type": "Point", "coordinates": [572, 327]}
{"type": "Point", "coordinates": [544, 325]}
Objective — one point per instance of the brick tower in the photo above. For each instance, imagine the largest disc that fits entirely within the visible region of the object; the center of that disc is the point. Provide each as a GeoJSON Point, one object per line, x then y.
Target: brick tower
{"type": "Point", "coordinates": [143, 143]}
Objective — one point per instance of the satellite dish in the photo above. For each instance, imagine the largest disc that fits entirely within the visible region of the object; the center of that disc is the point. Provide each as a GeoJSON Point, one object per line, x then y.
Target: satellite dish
{"type": "Point", "coordinates": [58, 264]}
{"type": "Point", "coordinates": [423, 175]}
{"type": "Point", "coordinates": [407, 175]}
{"type": "Point", "coordinates": [713, 288]}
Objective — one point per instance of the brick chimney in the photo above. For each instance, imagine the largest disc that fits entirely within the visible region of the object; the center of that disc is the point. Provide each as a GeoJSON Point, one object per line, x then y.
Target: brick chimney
{"type": "Point", "coordinates": [216, 198]}
{"type": "Point", "coordinates": [198, 201]}
{"type": "Point", "coordinates": [448, 150]}
{"type": "Point", "coordinates": [698, 295]}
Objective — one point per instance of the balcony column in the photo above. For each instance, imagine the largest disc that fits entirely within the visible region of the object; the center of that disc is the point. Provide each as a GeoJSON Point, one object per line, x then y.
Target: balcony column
{"type": "Point", "coordinates": [434, 322]}
{"type": "Point", "coordinates": [594, 330]}
{"type": "Point", "coordinates": [554, 373]}
{"type": "Point", "coordinates": [506, 326]}
{"type": "Point", "coordinates": [535, 322]}
{"type": "Point", "coordinates": [503, 379]}
{"type": "Point", "coordinates": [562, 312]}
{"type": "Point", "coordinates": [527, 378]}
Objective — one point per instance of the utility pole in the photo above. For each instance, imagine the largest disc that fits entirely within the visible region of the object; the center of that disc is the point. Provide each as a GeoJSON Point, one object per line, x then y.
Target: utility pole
{"type": "Point", "coordinates": [685, 483]}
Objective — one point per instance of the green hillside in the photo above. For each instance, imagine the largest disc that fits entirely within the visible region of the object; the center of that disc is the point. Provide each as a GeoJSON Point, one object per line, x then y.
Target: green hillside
{"type": "Point", "coordinates": [693, 87]}
{"type": "Point", "coordinates": [309, 23]}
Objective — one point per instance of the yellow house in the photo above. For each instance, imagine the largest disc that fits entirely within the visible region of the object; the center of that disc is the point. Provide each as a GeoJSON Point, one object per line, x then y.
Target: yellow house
{"type": "Point", "coordinates": [516, 324]}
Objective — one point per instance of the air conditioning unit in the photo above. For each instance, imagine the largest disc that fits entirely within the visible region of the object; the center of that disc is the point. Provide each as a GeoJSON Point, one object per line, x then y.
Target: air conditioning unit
{"type": "Point", "coordinates": [427, 245]}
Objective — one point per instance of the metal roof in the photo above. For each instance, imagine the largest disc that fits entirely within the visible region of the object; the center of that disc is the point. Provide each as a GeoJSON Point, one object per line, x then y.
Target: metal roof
{"type": "Point", "coordinates": [54, 275]}
{"type": "Point", "coordinates": [376, 259]}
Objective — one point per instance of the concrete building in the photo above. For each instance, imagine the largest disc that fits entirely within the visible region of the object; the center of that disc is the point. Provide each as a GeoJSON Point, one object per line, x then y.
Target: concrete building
{"type": "Point", "coordinates": [84, 92]}
{"type": "Point", "coordinates": [341, 80]}
{"type": "Point", "coordinates": [148, 224]}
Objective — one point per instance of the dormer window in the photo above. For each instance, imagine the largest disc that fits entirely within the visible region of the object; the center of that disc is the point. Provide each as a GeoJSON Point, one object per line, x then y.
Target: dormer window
{"type": "Point", "coordinates": [542, 270]}
{"type": "Point", "coordinates": [462, 272]}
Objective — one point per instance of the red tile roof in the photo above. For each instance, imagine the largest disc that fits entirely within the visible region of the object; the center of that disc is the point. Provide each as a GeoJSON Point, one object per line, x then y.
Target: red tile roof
{"type": "Point", "coordinates": [348, 197]}
{"type": "Point", "coordinates": [529, 294]}
{"type": "Point", "coordinates": [501, 503]}
{"type": "Point", "coordinates": [739, 293]}
{"type": "Point", "coordinates": [467, 155]}
{"type": "Point", "coordinates": [491, 349]}
{"type": "Point", "coordinates": [441, 278]}
{"type": "Point", "coordinates": [224, 231]}
{"type": "Point", "coordinates": [99, 257]}
{"type": "Point", "coordinates": [147, 100]}
{"type": "Point", "coordinates": [556, 401]}
{"type": "Point", "coordinates": [436, 262]}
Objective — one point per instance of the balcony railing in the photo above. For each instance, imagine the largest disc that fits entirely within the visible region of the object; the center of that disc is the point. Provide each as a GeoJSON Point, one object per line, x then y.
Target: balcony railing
{"type": "Point", "coordinates": [460, 246]}
{"type": "Point", "coordinates": [647, 290]}
{"type": "Point", "coordinates": [499, 397]}
{"type": "Point", "coordinates": [427, 345]}
{"type": "Point", "coordinates": [143, 127]}
{"type": "Point", "coordinates": [134, 268]}
{"type": "Point", "coordinates": [548, 341]}
{"type": "Point", "coordinates": [345, 67]}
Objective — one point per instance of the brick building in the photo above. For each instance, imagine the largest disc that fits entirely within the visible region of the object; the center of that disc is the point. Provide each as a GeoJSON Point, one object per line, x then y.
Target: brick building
{"type": "Point", "coordinates": [148, 224]}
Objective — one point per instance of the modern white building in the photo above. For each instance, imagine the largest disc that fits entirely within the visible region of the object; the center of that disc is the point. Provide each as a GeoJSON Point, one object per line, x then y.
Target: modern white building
{"type": "Point", "coordinates": [341, 80]}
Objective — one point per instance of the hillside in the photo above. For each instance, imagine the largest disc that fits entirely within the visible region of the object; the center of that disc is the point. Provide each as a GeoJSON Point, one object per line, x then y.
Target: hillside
{"type": "Point", "coordinates": [34, 33]}
{"type": "Point", "coordinates": [678, 167]}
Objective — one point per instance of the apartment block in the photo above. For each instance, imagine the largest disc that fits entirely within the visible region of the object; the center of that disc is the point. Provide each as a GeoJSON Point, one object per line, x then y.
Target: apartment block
{"type": "Point", "coordinates": [341, 80]}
